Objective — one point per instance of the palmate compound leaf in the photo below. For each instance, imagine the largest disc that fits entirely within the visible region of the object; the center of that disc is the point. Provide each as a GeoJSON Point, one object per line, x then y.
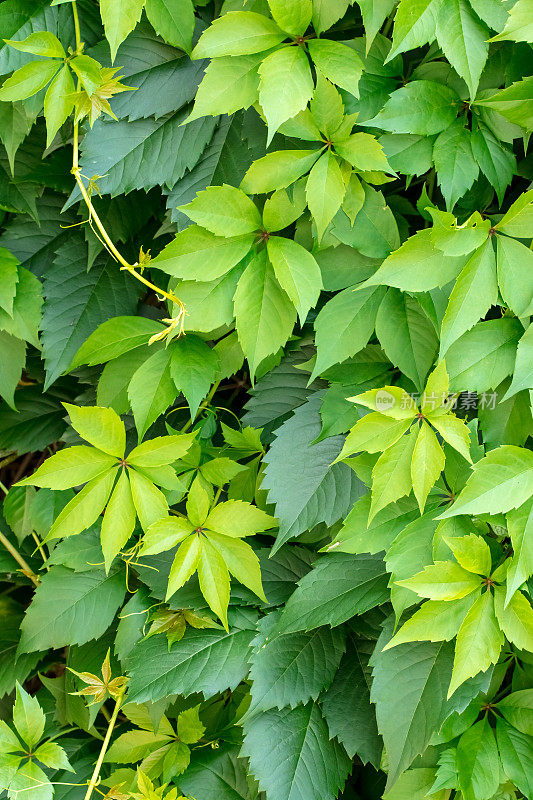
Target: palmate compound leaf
{"type": "Point", "coordinates": [292, 755]}
{"type": "Point", "coordinates": [299, 478]}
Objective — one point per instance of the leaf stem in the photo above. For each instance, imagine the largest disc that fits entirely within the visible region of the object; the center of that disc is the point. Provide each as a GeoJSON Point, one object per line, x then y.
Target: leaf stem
{"type": "Point", "coordinates": [40, 548]}
{"type": "Point", "coordinates": [105, 744]}
{"type": "Point", "coordinates": [26, 569]}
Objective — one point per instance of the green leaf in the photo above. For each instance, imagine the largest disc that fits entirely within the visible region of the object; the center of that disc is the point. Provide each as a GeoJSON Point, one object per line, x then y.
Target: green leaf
{"type": "Point", "coordinates": [218, 773]}
{"type": "Point", "coordinates": [478, 644]}
{"type": "Point", "coordinates": [427, 464]}
{"type": "Point", "coordinates": [454, 161]}
{"type": "Point", "coordinates": [301, 483]}
{"type": "Point", "coordinates": [363, 151]}
{"type": "Point", "coordinates": [515, 262]}
{"type": "Point", "coordinates": [391, 475]}
{"type": "Point", "coordinates": [173, 21]}
{"type": "Point", "coordinates": [265, 316]}
{"type": "Point", "coordinates": [346, 704]}
{"type": "Point", "coordinates": [496, 162]}
{"type": "Point", "coordinates": [119, 519]}
{"type": "Point", "coordinates": [229, 83]}
{"type": "Point", "coordinates": [472, 553]}
{"type": "Point", "coordinates": [509, 102]}
{"type": "Point", "coordinates": [326, 12]}
{"type": "Point", "coordinates": [71, 608]}
{"type": "Point", "coordinates": [478, 765]}
{"type": "Point", "coordinates": [292, 756]}
{"type": "Point", "coordinates": [114, 338]}
{"type": "Point", "coordinates": [28, 80]}
{"type": "Point", "coordinates": [500, 481]}
{"type": "Point", "coordinates": [515, 619]}
{"type": "Point", "coordinates": [236, 518]}
{"type": "Point", "coordinates": [339, 63]}
{"type": "Point", "coordinates": [339, 587]}
{"type": "Point", "coordinates": [373, 433]}
{"type": "Point", "coordinates": [325, 191]}
{"type": "Point", "coordinates": [52, 755]}
{"type": "Point", "coordinates": [58, 102]}
{"type": "Point", "coordinates": [70, 467]}
{"type": "Point", "coordinates": [374, 13]}
{"type": "Point", "coordinates": [518, 27]}
{"type": "Point", "coordinates": [408, 153]}
{"type": "Point", "coordinates": [292, 16]}
{"type": "Point", "coordinates": [207, 661]}
{"type": "Point", "coordinates": [408, 689]}
{"type": "Point", "coordinates": [41, 43]}
{"type": "Point", "coordinates": [444, 580]}
{"type": "Point", "coordinates": [520, 527]}
{"type": "Point", "coordinates": [297, 272]}
{"type": "Point", "coordinates": [515, 752]}
{"type": "Point", "coordinates": [240, 560]}
{"type": "Point", "coordinates": [423, 107]}
{"type": "Point", "coordinates": [85, 508]}
{"type": "Point", "coordinates": [119, 19]}
{"type": "Point", "coordinates": [344, 325]}
{"type": "Point", "coordinates": [28, 717]}
{"type": "Point", "coordinates": [463, 38]}
{"type": "Point", "coordinates": [289, 68]}
{"type": "Point", "coordinates": [418, 266]}
{"type": "Point", "coordinates": [151, 390]}
{"type": "Point", "coordinates": [238, 33]}
{"type": "Point", "coordinates": [278, 170]}
{"type": "Point", "coordinates": [522, 376]}
{"type": "Point", "coordinates": [184, 564]}
{"type": "Point", "coordinates": [127, 154]}
{"type": "Point", "coordinates": [161, 450]}
{"type": "Point", "coordinates": [294, 668]}
{"type": "Point", "coordinates": [434, 621]}
{"type": "Point", "coordinates": [406, 335]}
{"type": "Point", "coordinates": [150, 503]}
{"type": "Point", "coordinates": [193, 369]}
{"type": "Point", "coordinates": [101, 427]}
{"type": "Point", "coordinates": [414, 25]}
{"type": "Point", "coordinates": [12, 361]}
{"type": "Point", "coordinates": [77, 301]}
{"type": "Point", "coordinates": [214, 580]}
{"type": "Point", "coordinates": [197, 254]}
{"type": "Point", "coordinates": [225, 211]}
{"type": "Point", "coordinates": [375, 233]}
{"type": "Point", "coordinates": [483, 356]}
{"type": "Point", "coordinates": [474, 292]}
{"type": "Point", "coordinates": [518, 221]}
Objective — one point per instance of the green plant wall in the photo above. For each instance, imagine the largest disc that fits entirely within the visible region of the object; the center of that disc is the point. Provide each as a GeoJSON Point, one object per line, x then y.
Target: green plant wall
{"type": "Point", "coordinates": [266, 363]}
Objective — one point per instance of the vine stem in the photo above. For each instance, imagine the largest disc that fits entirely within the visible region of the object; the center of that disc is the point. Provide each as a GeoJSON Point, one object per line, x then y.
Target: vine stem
{"type": "Point", "coordinates": [105, 744]}
{"type": "Point", "coordinates": [76, 171]}
{"type": "Point", "coordinates": [26, 569]}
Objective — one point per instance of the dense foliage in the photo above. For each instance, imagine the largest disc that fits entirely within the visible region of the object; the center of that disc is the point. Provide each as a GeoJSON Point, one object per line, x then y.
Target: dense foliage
{"type": "Point", "coordinates": [266, 363]}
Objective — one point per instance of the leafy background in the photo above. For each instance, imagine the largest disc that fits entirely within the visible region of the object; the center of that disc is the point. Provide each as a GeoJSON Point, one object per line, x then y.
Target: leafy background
{"type": "Point", "coordinates": [265, 420]}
